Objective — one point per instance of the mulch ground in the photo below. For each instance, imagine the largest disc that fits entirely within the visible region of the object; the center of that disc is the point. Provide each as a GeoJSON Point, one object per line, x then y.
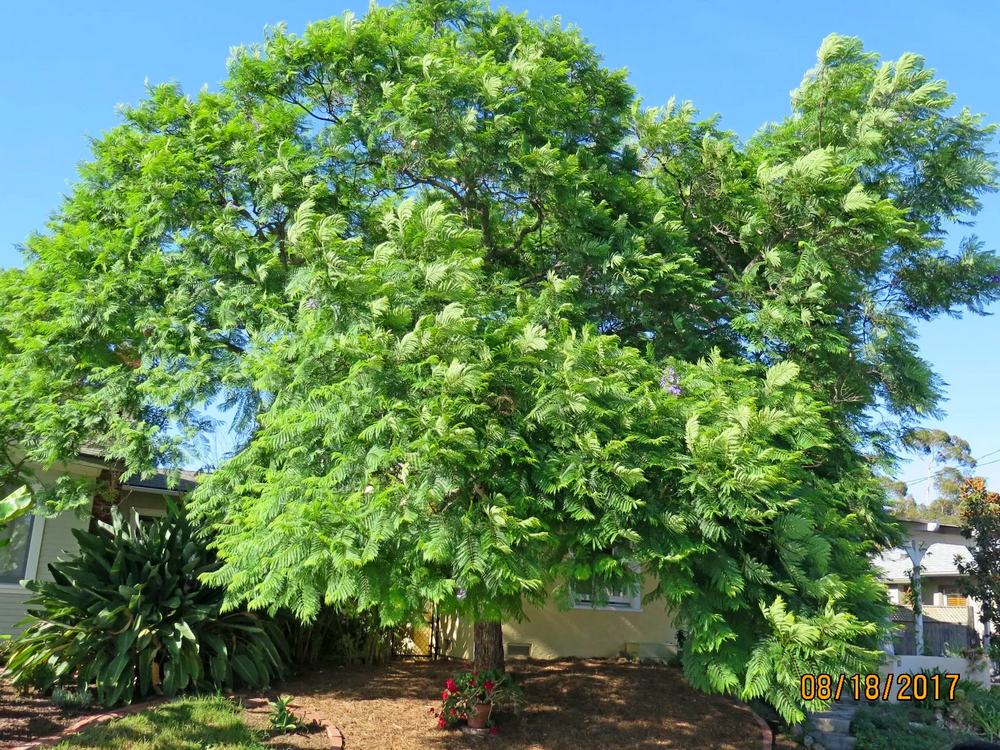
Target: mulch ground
{"type": "Point", "coordinates": [27, 717]}
{"type": "Point", "coordinates": [572, 704]}
{"type": "Point", "coordinates": [308, 738]}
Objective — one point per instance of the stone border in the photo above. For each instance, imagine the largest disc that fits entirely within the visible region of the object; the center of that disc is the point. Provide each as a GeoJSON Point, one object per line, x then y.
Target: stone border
{"type": "Point", "coordinates": [766, 735]}
{"type": "Point", "coordinates": [335, 736]}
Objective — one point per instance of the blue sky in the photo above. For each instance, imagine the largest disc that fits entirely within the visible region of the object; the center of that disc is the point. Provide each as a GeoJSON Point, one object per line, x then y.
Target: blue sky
{"type": "Point", "coordinates": [65, 66]}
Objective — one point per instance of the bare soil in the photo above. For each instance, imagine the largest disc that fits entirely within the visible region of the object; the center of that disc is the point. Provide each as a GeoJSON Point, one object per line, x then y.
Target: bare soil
{"type": "Point", "coordinates": [30, 717]}
{"type": "Point", "coordinates": [571, 704]}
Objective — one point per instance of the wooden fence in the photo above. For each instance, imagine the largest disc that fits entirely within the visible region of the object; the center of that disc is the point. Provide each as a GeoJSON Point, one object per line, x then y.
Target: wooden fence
{"type": "Point", "coordinates": [937, 634]}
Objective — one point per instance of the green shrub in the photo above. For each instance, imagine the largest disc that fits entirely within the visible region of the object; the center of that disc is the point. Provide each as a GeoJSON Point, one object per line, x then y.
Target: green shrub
{"type": "Point", "coordinates": [893, 727]}
{"type": "Point", "coordinates": [282, 718]}
{"type": "Point", "coordinates": [5, 645]}
{"type": "Point", "coordinates": [980, 709]}
{"type": "Point", "coordinates": [935, 700]}
{"type": "Point", "coordinates": [130, 616]}
{"type": "Point", "coordinates": [342, 636]}
{"type": "Point", "coordinates": [75, 700]}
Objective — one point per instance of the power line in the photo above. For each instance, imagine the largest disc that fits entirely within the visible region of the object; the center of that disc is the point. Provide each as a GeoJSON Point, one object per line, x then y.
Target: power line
{"type": "Point", "coordinates": [979, 462]}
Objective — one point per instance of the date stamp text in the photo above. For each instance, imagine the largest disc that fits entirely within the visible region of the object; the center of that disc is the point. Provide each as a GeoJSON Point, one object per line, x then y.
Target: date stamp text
{"type": "Point", "coordinates": [879, 687]}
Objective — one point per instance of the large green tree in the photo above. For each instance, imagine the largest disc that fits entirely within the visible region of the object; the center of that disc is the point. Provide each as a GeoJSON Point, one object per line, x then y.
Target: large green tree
{"type": "Point", "coordinates": [489, 327]}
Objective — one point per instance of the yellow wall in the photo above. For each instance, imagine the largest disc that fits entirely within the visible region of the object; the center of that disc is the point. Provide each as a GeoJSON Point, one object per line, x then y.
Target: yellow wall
{"type": "Point", "coordinates": [554, 633]}
{"type": "Point", "coordinates": [144, 503]}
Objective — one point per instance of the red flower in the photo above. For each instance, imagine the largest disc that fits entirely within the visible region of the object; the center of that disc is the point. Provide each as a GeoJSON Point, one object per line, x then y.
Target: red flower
{"type": "Point", "coordinates": [450, 684]}
{"type": "Point", "coordinates": [454, 712]}
{"type": "Point", "coordinates": [444, 695]}
{"type": "Point", "coordinates": [488, 685]}
{"type": "Point", "coordinates": [442, 723]}
{"type": "Point", "coordinates": [494, 730]}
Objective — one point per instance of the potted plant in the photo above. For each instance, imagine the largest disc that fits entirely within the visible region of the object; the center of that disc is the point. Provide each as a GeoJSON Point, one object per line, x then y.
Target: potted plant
{"type": "Point", "coordinates": [471, 696]}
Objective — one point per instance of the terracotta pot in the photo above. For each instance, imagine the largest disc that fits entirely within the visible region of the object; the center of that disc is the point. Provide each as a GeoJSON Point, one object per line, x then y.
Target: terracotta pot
{"type": "Point", "coordinates": [479, 717]}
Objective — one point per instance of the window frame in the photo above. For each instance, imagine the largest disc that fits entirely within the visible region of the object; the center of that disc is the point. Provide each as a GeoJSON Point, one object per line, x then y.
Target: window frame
{"type": "Point", "coordinates": [950, 594]}
{"type": "Point", "coordinates": [34, 555]}
{"type": "Point", "coordinates": [614, 603]}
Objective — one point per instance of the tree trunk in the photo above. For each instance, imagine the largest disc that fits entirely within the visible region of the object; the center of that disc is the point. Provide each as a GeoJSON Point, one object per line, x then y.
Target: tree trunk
{"type": "Point", "coordinates": [107, 494]}
{"type": "Point", "coordinates": [488, 646]}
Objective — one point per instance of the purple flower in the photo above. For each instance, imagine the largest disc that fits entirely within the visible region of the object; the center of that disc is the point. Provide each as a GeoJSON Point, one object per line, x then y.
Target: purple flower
{"type": "Point", "coordinates": [670, 382]}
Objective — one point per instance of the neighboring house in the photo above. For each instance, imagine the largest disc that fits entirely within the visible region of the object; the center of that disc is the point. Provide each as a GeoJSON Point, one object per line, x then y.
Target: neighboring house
{"type": "Point", "coordinates": [949, 617]}
{"type": "Point", "coordinates": [37, 541]}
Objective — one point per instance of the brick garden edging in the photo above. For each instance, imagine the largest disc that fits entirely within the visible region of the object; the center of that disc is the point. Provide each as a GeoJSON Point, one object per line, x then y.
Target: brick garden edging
{"type": "Point", "coordinates": [766, 735]}
{"type": "Point", "coordinates": [89, 721]}
{"type": "Point", "coordinates": [335, 736]}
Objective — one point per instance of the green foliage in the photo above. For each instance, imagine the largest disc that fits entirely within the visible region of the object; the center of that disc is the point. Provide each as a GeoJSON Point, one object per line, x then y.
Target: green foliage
{"type": "Point", "coordinates": [934, 701]}
{"type": "Point", "coordinates": [345, 636]}
{"type": "Point", "coordinates": [12, 507]}
{"type": "Point", "coordinates": [981, 519]}
{"type": "Point", "coordinates": [893, 726]}
{"type": "Point", "coordinates": [129, 616]}
{"type": "Point", "coordinates": [208, 722]}
{"type": "Point", "coordinates": [74, 700]}
{"type": "Point", "coordinates": [776, 665]}
{"type": "Point", "coordinates": [282, 718]}
{"type": "Point", "coordinates": [6, 642]}
{"type": "Point", "coordinates": [464, 692]}
{"type": "Point", "coordinates": [489, 327]}
{"type": "Point", "coordinates": [980, 708]}
{"type": "Point", "coordinates": [948, 461]}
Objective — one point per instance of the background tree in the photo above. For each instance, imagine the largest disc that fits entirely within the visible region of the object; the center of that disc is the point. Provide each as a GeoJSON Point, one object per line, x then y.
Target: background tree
{"type": "Point", "coordinates": [947, 461]}
{"type": "Point", "coordinates": [981, 575]}
{"type": "Point", "coordinates": [489, 327]}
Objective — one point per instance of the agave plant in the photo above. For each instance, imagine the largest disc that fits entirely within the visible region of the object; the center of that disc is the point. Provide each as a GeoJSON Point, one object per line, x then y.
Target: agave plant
{"type": "Point", "coordinates": [130, 617]}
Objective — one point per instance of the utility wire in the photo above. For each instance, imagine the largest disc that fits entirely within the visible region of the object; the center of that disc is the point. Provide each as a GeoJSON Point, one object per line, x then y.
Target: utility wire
{"type": "Point", "coordinates": [979, 462]}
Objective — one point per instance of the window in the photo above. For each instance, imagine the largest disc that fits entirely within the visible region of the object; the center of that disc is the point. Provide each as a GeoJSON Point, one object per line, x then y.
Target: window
{"type": "Point", "coordinates": [19, 558]}
{"type": "Point", "coordinates": [619, 597]}
{"type": "Point", "coordinates": [954, 599]}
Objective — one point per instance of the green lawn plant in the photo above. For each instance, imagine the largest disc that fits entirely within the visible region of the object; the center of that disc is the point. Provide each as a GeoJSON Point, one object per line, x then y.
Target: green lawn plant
{"type": "Point", "coordinates": [72, 700]}
{"type": "Point", "coordinates": [282, 718]}
{"type": "Point", "coordinates": [129, 617]}
{"type": "Point", "coordinates": [193, 723]}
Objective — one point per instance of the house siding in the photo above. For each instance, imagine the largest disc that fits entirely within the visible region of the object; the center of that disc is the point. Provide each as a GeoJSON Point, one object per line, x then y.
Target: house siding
{"type": "Point", "coordinates": [12, 609]}
{"type": "Point", "coordinates": [58, 541]}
